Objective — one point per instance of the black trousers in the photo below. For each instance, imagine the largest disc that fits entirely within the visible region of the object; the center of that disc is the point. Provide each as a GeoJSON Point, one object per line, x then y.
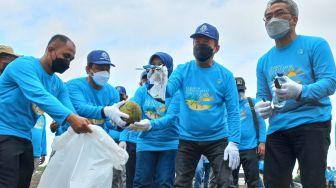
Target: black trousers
{"type": "Point", "coordinates": [16, 162]}
{"type": "Point", "coordinates": [131, 164]}
{"type": "Point", "coordinates": [308, 144]}
{"type": "Point", "coordinates": [249, 160]}
{"type": "Point", "coordinates": [188, 155]}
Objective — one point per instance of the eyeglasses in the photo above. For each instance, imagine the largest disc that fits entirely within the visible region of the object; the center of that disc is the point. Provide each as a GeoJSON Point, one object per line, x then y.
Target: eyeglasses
{"type": "Point", "coordinates": [276, 14]}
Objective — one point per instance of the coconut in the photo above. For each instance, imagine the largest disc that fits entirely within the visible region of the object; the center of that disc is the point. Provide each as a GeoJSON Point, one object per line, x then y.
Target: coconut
{"type": "Point", "coordinates": [133, 110]}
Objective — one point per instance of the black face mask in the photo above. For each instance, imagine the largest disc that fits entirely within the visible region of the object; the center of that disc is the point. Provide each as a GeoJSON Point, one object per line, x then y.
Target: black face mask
{"type": "Point", "coordinates": [60, 65]}
{"type": "Point", "coordinates": [203, 52]}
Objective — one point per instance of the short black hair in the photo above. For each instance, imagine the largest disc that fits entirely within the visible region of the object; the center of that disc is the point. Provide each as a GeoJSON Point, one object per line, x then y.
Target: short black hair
{"type": "Point", "coordinates": [59, 40]}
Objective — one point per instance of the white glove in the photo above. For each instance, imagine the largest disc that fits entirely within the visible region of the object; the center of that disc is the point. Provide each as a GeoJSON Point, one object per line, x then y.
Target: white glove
{"type": "Point", "coordinates": [115, 114]}
{"type": "Point", "coordinates": [231, 152]}
{"type": "Point", "coordinates": [143, 125]}
{"type": "Point", "coordinates": [155, 73]}
{"type": "Point", "coordinates": [264, 109]}
{"type": "Point", "coordinates": [123, 145]}
{"type": "Point", "coordinates": [159, 80]}
{"type": "Point", "coordinates": [288, 90]}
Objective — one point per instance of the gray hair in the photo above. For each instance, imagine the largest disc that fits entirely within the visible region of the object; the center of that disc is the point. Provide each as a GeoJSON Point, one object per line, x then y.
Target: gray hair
{"type": "Point", "coordinates": [292, 6]}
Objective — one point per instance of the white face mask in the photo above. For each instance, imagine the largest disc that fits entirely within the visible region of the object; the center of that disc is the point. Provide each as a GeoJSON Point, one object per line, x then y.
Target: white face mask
{"type": "Point", "coordinates": [241, 96]}
{"type": "Point", "coordinates": [101, 77]}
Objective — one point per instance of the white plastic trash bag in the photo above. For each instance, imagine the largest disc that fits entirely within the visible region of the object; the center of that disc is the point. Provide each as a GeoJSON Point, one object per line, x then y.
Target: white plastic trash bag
{"type": "Point", "coordinates": [83, 160]}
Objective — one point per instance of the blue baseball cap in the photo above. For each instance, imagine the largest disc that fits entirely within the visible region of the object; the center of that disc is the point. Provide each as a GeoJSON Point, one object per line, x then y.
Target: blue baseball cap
{"type": "Point", "coordinates": [206, 30]}
{"type": "Point", "coordinates": [121, 90]}
{"type": "Point", "coordinates": [99, 57]}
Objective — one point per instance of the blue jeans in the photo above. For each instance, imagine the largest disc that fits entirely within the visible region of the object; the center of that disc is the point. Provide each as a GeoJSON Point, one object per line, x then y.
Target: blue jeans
{"type": "Point", "coordinates": [155, 169]}
{"type": "Point", "coordinates": [203, 168]}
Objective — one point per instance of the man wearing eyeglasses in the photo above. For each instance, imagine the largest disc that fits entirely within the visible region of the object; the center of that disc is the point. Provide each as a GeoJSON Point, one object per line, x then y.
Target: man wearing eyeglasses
{"type": "Point", "coordinates": [301, 129]}
{"type": "Point", "coordinates": [7, 55]}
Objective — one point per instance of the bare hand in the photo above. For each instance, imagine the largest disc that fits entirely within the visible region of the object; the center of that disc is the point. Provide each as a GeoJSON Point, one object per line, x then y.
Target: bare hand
{"type": "Point", "coordinates": [42, 159]}
{"type": "Point", "coordinates": [261, 149]}
{"type": "Point", "coordinates": [53, 126]}
{"type": "Point", "coordinates": [79, 124]}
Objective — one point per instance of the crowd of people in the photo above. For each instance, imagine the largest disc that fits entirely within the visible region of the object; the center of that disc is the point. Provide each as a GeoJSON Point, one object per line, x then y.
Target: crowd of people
{"type": "Point", "coordinates": [195, 118]}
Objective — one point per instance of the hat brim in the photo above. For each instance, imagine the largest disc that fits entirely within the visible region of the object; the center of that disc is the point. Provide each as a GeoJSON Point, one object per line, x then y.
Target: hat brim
{"type": "Point", "coordinates": [102, 63]}
{"type": "Point", "coordinates": [13, 54]}
{"type": "Point", "coordinates": [202, 35]}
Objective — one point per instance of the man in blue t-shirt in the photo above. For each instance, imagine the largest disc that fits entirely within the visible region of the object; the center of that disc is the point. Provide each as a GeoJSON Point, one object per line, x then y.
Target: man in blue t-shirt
{"type": "Point", "coordinates": [300, 130]}
{"type": "Point", "coordinates": [207, 90]}
{"type": "Point", "coordinates": [252, 145]}
{"type": "Point", "coordinates": [94, 98]}
{"type": "Point", "coordinates": [28, 87]}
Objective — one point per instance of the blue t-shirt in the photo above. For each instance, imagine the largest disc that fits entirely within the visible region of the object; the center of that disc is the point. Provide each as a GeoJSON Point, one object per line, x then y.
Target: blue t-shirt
{"type": "Point", "coordinates": [39, 139]}
{"type": "Point", "coordinates": [261, 165]}
{"type": "Point", "coordinates": [89, 102]}
{"type": "Point", "coordinates": [307, 61]}
{"type": "Point", "coordinates": [248, 138]}
{"type": "Point", "coordinates": [129, 136]}
{"type": "Point", "coordinates": [163, 117]}
{"type": "Point", "coordinates": [330, 175]}
{"type": "Point", "coordinates": [205, 94]}
{"type": "Point", "coordinates": [26, 91]}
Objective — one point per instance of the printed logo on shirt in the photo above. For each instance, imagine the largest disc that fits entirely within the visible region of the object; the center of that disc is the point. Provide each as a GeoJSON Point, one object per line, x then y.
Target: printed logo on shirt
{"type": "Point", "coordinates": [154, 109]}
{"type": "Point", "coordinates": [37, 110]}
{"type": "Point", "coordinates": [198, 99]}
{"type": "Point", "coordinates": [300, 51]}
{"type": "Point", "coordinates": [38, 125]}
{"type": "Point", "coordinates": [243, 114]}
{"type": "Point", "coordinates": [288, 70]}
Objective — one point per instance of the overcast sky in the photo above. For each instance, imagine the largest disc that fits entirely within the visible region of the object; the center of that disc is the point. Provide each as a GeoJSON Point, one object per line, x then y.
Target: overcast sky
{"type": "Point", "coordinates": [131, 31]}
